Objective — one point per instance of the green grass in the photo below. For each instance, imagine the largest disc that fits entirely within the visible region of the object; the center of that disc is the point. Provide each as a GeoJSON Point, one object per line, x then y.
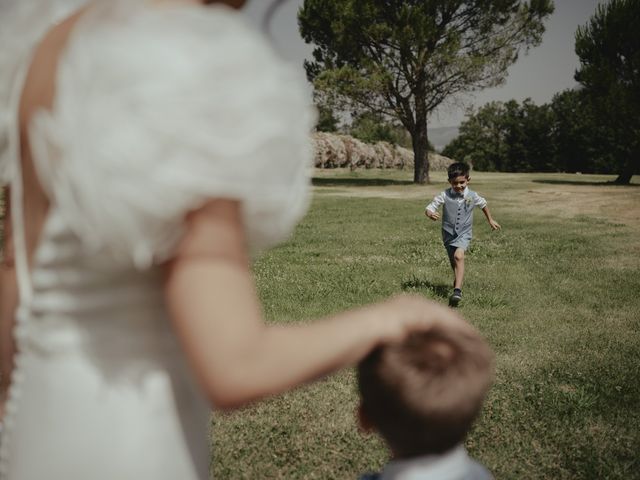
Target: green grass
{"type": "Point", "coordinates": [555, 293]}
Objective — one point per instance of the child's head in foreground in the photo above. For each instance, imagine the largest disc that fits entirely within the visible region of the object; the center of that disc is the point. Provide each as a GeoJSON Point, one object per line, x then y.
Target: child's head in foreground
{"type": "Point", "coordinates": [424, 394]}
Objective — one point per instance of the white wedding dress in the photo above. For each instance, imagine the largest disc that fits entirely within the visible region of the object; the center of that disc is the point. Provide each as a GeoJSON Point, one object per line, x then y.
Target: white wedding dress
{"type": "Point", "coordinates": [156, 110]}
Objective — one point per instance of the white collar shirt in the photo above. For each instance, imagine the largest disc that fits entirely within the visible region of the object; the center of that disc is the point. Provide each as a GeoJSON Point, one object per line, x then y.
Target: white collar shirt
{"type": "Point", "coordinates": [452, 465]}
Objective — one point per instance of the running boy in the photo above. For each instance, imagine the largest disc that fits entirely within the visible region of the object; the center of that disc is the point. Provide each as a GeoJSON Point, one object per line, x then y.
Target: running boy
{"type": "Point", "coordinates": [457, 220]}
{"type": "Point", "coordinates": [422, 396]}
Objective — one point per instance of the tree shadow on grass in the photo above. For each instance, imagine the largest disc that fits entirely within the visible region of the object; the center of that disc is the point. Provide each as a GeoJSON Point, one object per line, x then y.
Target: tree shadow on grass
{"type": "Point", "coordinates": [585, 183]}
{"type": "Point", "coordinates": [357, 182]}
{"type": "Point", "coordinates": [439, 289]}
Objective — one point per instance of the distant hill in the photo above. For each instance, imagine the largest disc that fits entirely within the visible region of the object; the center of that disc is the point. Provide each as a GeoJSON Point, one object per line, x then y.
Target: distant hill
{"type": "Point", "coordinates": [441, 136]}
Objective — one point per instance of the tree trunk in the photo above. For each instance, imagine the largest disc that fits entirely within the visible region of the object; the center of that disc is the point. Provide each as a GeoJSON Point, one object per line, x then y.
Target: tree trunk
{"type": "Point", "coordinates": [624, 178]}
{"type": "Point", "coordinates": [420, 143]}
{"type": "Point", "coordinates": [420, 140]}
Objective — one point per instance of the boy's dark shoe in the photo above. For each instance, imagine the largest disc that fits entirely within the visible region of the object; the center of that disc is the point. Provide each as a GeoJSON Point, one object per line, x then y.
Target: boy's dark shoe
{"type": "Point", "coordinates": [455, 297]}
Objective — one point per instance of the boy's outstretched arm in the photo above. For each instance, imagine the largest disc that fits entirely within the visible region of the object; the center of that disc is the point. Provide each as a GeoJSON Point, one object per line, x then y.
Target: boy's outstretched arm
{"type": "Point", "coordinates": [492, 223]}
{"type": "Point", "coordinates": [431, 210]}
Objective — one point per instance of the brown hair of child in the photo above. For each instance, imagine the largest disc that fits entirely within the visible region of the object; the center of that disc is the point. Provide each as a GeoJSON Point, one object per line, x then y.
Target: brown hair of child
{"type": "Point", "coordinates": [424, 394]}
{"type": "Point", "coordinates": [458, 169]}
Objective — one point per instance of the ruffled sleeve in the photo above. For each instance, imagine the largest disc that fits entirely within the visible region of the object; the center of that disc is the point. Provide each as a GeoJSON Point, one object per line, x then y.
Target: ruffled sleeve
{"type": "Point", "coordinates": [157, 111]}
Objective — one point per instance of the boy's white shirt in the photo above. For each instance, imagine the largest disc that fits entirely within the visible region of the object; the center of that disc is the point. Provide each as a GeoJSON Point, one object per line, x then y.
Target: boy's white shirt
{"type": "Point", "coordinates": [440, 199]}
{"type": "Point", "coordinates": [453, 465]}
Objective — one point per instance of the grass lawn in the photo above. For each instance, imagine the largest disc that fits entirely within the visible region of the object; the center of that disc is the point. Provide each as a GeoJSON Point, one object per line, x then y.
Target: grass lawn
{"type": "Point", "coordinates": [556, 293]}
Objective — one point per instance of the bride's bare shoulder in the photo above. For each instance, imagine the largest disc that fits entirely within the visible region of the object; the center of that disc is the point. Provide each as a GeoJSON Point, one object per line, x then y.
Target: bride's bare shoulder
{"type": "Point", "coordinates": [39, 87]}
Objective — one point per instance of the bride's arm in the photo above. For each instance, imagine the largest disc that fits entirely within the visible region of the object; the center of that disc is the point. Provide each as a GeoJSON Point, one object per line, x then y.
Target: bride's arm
{"type": "Point", "coordinates": [211, 295]}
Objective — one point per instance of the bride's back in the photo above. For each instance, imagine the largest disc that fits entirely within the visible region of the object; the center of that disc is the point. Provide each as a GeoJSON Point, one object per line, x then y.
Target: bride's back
{"type": "Point", "coordinates": [38, 93]}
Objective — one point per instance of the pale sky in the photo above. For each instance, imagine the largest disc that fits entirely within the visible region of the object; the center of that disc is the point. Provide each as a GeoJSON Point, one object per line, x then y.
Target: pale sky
{"type": "Point", "coordinates": [546, 70]}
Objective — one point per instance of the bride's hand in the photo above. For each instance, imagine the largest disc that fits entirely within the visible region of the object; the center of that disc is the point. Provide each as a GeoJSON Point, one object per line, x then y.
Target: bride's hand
{"type": "Point", "coordinates": [401, 315]}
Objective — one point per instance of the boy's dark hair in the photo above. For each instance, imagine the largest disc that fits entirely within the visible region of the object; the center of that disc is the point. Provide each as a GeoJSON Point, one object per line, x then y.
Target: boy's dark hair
{"type": "Point", "coordinates": [458, 169]}
{"type": "Point", "coordinates": [423, 395]}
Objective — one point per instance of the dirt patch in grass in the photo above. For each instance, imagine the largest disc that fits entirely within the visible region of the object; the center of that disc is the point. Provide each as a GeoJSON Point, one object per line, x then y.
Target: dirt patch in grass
{"type": "Point", "coordinates": [552, 194]}
{"type": "Point", "coordinates": [611, 203]}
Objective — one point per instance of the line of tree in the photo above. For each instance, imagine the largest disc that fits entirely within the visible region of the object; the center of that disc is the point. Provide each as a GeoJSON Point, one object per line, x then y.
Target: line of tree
{"type": "Point", "coordinates": [401, 59]}
{"type": "Point", "coordinates": [592, 129]}
{"type": "Point", "coordinates": [561, 136]}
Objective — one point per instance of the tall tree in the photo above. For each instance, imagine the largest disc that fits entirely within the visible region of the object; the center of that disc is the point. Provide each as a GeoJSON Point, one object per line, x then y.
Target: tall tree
{"type": "Point", "coordinates": [507, 137]}
{"type": "Point", "coordinates": [609, 50]}
{"type": "Point", "coordinates": [403, 58]}
{"type": "Point", "coordinates": [534, 148]}
{"type": "Point", "coordinates": [481, 139]}
{"type": "Point", "coordinates": [581, 145]}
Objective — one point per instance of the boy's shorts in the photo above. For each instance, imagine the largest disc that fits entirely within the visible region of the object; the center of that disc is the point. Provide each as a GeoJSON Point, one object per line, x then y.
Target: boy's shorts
{"type": "Point", "coordinates": [453, 242]}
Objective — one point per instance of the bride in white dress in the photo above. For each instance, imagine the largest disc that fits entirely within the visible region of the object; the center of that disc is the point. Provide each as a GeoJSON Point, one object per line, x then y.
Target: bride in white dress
{"type": "Point", "coordinates": [150, 147]}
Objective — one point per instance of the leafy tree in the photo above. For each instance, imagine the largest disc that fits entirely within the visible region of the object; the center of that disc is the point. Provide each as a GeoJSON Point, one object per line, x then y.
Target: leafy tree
{"type": "Point", "coordinates": [507, 137]}
{"type": "Point", "coordinates": [371, 128]}
{"type": "Point", "coordinates": [481, 139]}
{"type": "Point", "coordinates": [531, 142]}
{"type": "Point", "coordinates": [403, 58]}
{"type": "Point", "coordinates": [608, 47]}
{"type": "Point", "coordinates": [328, 112]}
{"type": "Point", "coordinates": [327, 120]}
{"type": "Point", "coordinates": [580, 142]}
{"type": "Point", "coordinates": [570, 135]}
